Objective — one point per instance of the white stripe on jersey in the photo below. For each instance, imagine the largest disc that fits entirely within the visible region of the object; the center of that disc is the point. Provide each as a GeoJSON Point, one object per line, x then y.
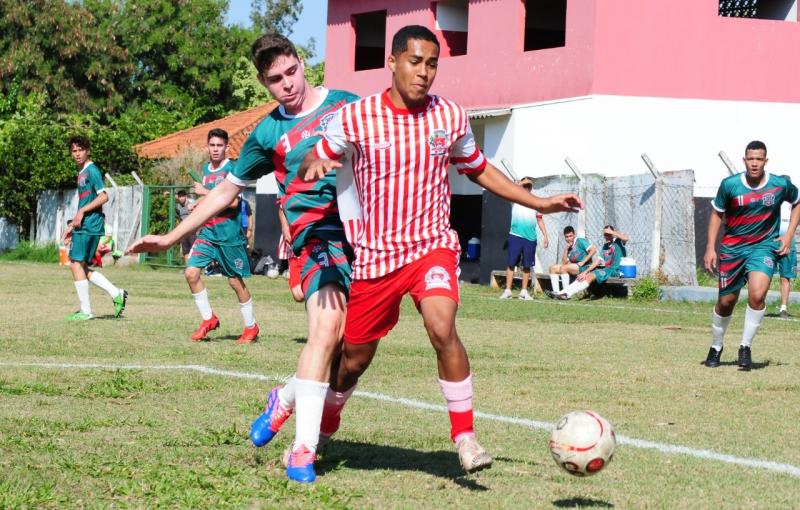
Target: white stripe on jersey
{"type": "Point", "coordinates": [399, 167]}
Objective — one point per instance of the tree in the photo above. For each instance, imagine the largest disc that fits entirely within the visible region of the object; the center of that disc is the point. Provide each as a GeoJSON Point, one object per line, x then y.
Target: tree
{"type": "Point", "coordinates": [275, 15]}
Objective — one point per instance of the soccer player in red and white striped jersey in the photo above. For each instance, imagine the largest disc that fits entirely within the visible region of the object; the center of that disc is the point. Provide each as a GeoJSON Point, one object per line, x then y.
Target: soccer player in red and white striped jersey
{"type": "Point", "coordinates": [401, 143]}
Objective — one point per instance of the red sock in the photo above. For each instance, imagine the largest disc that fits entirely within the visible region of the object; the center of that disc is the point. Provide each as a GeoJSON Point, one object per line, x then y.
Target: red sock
{"type": "Point", "coordinates": [332, 410]}
{"type": "Point", "coordinates": [459, 406]}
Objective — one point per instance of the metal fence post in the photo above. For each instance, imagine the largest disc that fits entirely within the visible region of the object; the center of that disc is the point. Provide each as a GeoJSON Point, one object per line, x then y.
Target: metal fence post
{"type": "Point", "coordinates": [728, 163]}
{"type": "Point", "coordinates": [581, 194]}
{"type": "Point", "coordinates": [115, 213]}
{"type": "Point", "coordinates": [658, 210]}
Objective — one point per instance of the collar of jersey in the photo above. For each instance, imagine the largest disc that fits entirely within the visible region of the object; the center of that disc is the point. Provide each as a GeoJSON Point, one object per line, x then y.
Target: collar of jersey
{"type": "Point", "coordinates": [323, 96]}
{"type": "Point", "coordinates": [744, 181]}
{"type": "Point", "coordinates": [220, 167]}
{"type": "Point", "coordinates": [85, 166]}
{"type": "Point", "coordinates": [387, 101]}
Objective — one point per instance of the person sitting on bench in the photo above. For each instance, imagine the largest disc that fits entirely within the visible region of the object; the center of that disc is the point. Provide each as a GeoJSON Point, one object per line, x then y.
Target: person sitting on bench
{"type": "Point", "coordinates": [576, 259]}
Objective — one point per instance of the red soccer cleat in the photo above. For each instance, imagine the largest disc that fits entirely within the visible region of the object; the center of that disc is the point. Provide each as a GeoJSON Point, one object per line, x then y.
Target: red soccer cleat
{"type": "Point", "coordinates": [249, 335]}
{"type": "Point", "coordinates": [204, 328]}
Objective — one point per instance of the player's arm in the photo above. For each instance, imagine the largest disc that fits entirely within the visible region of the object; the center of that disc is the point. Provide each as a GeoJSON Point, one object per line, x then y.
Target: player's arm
{"type": "Point", "coordinates": [590, 255]}
{"type": "Point", "coordinates": [224, 195]}
{"type": "Point", "coordinates": [495, 181]}
{"type": "Point", "coordinates": [540, 222]}
{"type": "Point", "coordinates": [714, 226]}
{"type": "Point", "coordinates": [284, 225]}
{"type": "Point", "coordinates": [619, 235]}
{"type": "Point", "coordinates": [582, 275]}
{"type": "Point", "coordinates": [788, 238]}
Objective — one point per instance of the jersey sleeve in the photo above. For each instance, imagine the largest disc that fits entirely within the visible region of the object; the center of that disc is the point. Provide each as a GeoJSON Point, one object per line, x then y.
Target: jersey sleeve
{"type": "Point", "coordinates": [721, 199]}
{"type": "Point", "coordinates": [96, 180]}
{"type": "Point", "coordinates": [466, 156]}
{"type": "Point", "coordinates": [333, 144]}
{"type": "Point", "coordinates": [255, 161]}
{"type": "Point", "coordinates": [792, 194]}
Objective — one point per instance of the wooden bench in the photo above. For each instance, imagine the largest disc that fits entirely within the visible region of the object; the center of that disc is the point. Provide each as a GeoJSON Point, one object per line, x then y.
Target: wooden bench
{"type": "Point", "coordinates": [615, 287]}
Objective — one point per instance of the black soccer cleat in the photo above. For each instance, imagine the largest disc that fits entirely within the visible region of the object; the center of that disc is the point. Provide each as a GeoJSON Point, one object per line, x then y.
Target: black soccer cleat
{"type": "Point", "coordinates": [712, 360]}
{"type": "Point", "coordinates": [745, 359]}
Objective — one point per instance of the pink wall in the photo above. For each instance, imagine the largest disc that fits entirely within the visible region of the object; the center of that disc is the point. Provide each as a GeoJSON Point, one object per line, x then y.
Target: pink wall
{"type": "Point", "coordinates": [679, 48]}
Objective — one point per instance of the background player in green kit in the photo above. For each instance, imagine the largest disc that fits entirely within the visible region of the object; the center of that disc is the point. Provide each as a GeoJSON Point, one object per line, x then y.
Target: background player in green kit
{"type": "Point", "coordinates": [88, 226]}
{"type": "Point", "coordinates": [220, 240]}
{"type": "Point", "coordinates": [602, 268]}
{"type": "Point", "coordinates": [279, 144]}
{"type": "Point", "coordinates": [787, 270]}
{"type": "Point", "coordinates": [577, 256]}
{"type": "Point", "coordinates": [751, 202]}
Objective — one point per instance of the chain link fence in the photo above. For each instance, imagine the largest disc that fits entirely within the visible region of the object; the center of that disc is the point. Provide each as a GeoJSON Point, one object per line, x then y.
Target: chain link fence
{"type": "Point", "coordinates": [632, 205]}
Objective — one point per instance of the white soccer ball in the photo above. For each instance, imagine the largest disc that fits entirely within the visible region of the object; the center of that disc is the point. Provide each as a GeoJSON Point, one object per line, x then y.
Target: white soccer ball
{"type": "Point", "coordinates": [582, 443]}
{"type": "Point", "coordinates": [272, 273]}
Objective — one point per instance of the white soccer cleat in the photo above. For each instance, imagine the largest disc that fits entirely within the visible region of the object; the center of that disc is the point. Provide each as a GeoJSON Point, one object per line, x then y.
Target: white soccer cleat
{"type": "Point", "coordinates": [523, 295]}
{"type": "Point", "coordinates": [473, 456]}
{"type": "Point", "coordinates": [506, 294]}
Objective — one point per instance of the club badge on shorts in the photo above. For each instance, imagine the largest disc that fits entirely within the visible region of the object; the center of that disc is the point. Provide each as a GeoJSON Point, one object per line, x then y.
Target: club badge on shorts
{"type": "Point", "coordinates": [437, 278]}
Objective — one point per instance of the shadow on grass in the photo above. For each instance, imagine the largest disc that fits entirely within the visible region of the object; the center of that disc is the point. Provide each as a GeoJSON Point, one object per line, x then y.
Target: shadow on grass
{"type": "Point", "coordinates": [368, 456]}
{"type": "Point", "coordinates": [300, 340]}
{"type": "Point", "coordinates": [754, 366]}
{"type": "Point", "coordinates": [581, 503]}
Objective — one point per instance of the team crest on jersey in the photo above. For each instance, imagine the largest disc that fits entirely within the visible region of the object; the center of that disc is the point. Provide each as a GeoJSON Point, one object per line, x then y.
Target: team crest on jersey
{"type": "Point", "coordinates": [323, 122]}
{"type": "Point", "coordinates": [769, 199]}
{"type": "Point", "coordinates": [438, 142]}
{"type": "Point", "coordinates": [82, 179]}
{"type": "Point", "coordinates": [437, 278]}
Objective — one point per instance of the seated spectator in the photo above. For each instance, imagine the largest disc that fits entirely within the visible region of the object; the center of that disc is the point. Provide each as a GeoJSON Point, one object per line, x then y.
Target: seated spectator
{"type": "Point", "coordinates": [601, 269]}
{"type": "Point", "coordinates": [576, 259]}
{"type": "Point", "coordinates": [522, 243]}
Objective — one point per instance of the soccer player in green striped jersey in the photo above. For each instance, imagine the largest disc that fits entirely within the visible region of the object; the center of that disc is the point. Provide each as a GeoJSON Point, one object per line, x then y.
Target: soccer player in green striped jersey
{"type": "Point", "coordinates": [751, 205]}
{"type": "Point", "coordinates": [577, 257]}
{"type": "Point", "coordinates": [88, 226]}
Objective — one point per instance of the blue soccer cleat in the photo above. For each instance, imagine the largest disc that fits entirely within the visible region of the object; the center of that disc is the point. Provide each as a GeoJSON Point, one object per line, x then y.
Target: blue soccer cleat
{"type": "Point", "coordinates": [269, 423]}
{"type": "Point", "coordinates": [301, 465]}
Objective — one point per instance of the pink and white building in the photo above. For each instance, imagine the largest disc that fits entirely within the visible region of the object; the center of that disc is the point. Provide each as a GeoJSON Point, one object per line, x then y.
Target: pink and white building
{"type": "Point", "coordinates": [599, 81]}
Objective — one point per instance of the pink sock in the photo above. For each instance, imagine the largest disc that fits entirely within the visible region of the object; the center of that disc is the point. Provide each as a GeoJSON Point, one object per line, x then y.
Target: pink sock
{"type": "Point", "coordinates": [332, 410]}
{"type": "Point", "coordinates": [459, 405]}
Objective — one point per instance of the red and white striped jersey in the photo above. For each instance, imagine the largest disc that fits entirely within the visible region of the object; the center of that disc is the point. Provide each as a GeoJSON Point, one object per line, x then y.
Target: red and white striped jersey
{"type": "Point", "coordinates": [399, 162]}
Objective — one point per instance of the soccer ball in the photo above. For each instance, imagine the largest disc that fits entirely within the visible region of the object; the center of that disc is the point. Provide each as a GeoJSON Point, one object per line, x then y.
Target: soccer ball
{"type": "Point", "coordinates": [582, 443]}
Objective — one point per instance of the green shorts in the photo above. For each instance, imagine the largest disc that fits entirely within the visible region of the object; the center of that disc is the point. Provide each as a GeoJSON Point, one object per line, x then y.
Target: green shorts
{"type": "Point", "coordinates": [233, 260]}
{"type": "Point", "coordinates": [83, 247]}
{"type": "Point", "coordinates": [787, 265]}
{"type": "Point", "coordinates": [323, 262]}
{"type": "Point", "coordinates": [734, 266]}
{"type": "Point", "coordinates": [603, 274]}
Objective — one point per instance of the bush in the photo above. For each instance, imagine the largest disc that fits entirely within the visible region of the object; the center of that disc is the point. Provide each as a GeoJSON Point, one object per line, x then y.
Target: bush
{"type": "Point", "coordinates": [646, 290]}
{"type": "Point", "coordinates": [32, 252]}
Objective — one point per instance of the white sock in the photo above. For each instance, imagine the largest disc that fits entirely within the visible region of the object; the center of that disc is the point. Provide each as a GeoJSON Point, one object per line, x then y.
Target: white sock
{"type": "Point", "coordinates": [102, 282]}
{"type": "Point", "coordinates": [286, 395]}
{"type": "Point", "coordinates": [247, 313]}
{"type": "Point", "coordinates": [554, 282]}
{"type": "Point", "coordinates": [575, 287]}
{"type": "Point", "coordinates": [82, 289]}
{"type": "Point", "coordinates": [719, 325]}
{"type": "Point", "coordinates": [564, 281]}
{"type": "Point", "coordinates": [783, 308]}
{"type": "Point", "coordinates": [203, 305]}
{"type": "Point", "coordinates": [752, 320]}
{"type": "Point", "coordinates": [308, 411]}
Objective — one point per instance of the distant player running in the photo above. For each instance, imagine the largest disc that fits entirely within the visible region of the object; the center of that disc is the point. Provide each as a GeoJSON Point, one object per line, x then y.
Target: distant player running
{"type": "Point", "coordinates": [601, 268]}
{"type": "Point", "coordinates": [401, 143]}
{"type": "Point", "coordinates": [88, 226]}
{"type": "Point", "coordinates": [279, 144]}
{"type": "Point", "coordinates": [751, 202]}
{"type": "Point", "coordinates": [219, 240]}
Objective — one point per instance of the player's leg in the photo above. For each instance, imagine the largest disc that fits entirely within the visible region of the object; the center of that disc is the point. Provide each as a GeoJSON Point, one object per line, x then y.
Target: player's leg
{"type": "Point", "coordinates": [234, 264]}
{"type": "Point", "coordinates": [732, 278]}
{"type": "Point", "coordinates": [251, 331]}
{"type": "Point", "coordinates": [573, 288]}
{"type": "Point", "coordinates": [201, 255]}
{"type": "Point", "coordinates": [787, 269]}
{"type": "Point", "coordinates": [512, 258]}
{"type": "Point", "coordinates": [757, 288]}
{"type": "Point", "coordinates": [435, 292]}
{"type": "Point", "coordinates": [80, 253]}
{"type": "Point", "coordinates": [528, 252]}
{"type": "Point", "coordinates": [555, 272]}
{"type": "Point", "coordinates": [786, 287]}
{"type": "Point", "coordinates": [295, 279]}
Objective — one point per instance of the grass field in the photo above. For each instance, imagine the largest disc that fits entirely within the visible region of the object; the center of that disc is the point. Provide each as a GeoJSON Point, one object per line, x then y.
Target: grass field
{"type": "Point", "coordinates": [158, 436]}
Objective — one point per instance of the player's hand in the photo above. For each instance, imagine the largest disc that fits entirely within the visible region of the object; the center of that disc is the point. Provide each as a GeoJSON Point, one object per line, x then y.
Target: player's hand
{"type": "Point", "coordinates": [608, 231]}
{"type": "Point", "coordinates": [199, 189]}
{"type": "Point", "coordinates": [77, 220]}
{"type": "Point", "coordinates": [569, 202]}
{"type": "Point", "coordinates": [546, 242]}
{"type": "Point", "coordinates": [581, 277]}
{"type": "Point", "coordinates": [786, 244]}
{"type": "Point", "coordinates": [318, 168]}
{"type": "Point", "coordinates": [710, 260]}
{"type": "Point", "coordinates": [148, 244]}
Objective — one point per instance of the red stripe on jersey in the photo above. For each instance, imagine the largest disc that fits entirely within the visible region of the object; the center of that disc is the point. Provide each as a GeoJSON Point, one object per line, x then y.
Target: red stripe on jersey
{"type": "Point", "coordinates": [216, 220]}
{"type": "Point", "coordinates": [749, 198]}
{"type": "Point", "coordinates": [469, 159]}
{"type": "Point", "coordinates": [326, 148]}
{"type": "Point", "coordinates": [745, 239]}
{"type": "Point", "coordinates": [84, 194]}
{"type": "Point", "coordinates": [735, 221]}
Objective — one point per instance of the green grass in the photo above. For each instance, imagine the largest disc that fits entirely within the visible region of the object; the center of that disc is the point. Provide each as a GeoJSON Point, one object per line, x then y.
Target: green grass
{"type": "Point", "coordinates": [32, 252]}
{"type": "Point", "coordinates": [142, 438]}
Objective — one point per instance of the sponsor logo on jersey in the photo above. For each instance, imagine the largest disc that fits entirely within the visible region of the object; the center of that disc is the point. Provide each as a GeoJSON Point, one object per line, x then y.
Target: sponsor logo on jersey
{"type": "Point", "coordinates": [438, 142]}
{"type": "Point", "coordinates": [323, 122]}
{"type": "Point", "coordinates": [82, 179]}
{"type": "Point", "coordinates": [437, 278]}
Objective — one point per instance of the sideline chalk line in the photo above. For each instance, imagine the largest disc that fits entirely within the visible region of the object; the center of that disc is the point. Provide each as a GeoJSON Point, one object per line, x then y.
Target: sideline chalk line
{"type": "Point", "coordinates": [666, 448]}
